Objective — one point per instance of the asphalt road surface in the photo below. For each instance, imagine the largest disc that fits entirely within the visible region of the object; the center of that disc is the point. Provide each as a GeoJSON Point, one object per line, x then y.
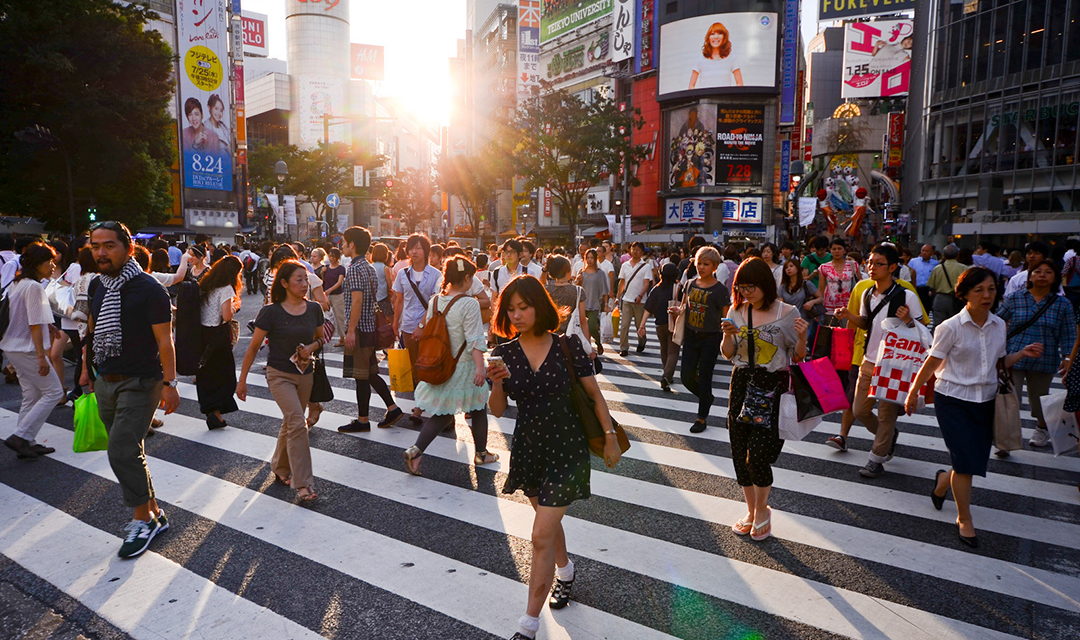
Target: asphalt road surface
{"type": "Point", "coordinates": [386, 555]}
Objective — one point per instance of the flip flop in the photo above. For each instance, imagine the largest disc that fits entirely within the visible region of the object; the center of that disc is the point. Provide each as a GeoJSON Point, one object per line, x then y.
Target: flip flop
{"type": "Point", "coordinates": [764, 526]}
{"type": "Point", "coordinates": [742, 527]}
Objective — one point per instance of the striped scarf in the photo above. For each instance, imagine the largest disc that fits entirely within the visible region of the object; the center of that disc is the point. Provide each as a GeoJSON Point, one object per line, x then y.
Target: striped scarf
{"type": "Point", "coordinates": [108, 338]}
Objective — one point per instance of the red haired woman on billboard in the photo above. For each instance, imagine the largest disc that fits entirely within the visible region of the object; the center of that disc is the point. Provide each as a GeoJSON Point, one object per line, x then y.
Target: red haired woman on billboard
{"type": "Point", "coordinates": [719, 68]}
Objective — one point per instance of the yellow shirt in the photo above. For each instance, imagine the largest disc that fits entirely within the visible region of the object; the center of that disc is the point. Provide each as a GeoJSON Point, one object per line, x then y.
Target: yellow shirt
{"type": "Point", "coordinates": [855, 308]}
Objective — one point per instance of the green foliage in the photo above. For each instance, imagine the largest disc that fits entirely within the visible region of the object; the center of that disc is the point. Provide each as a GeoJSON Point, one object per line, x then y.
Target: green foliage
{"type": "Point", "coordinates": [412, 198]}
{"type": "Point", "coordinates": [473, 179]}
{"type": "Point", "coordinates": [90, 72]}
{"type": "Point", "coordinates": [559, 142]}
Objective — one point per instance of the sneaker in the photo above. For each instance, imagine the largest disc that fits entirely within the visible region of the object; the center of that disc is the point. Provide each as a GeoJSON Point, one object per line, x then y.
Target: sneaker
{"type": "Point", "coordinates": [892, 447]}
{"type": "Point", "coordinates": [838, 442]}
{"type": "Point", "coordinates": [560, 595]}
{"type": "Point", "coordinates": [872, 470]}
{"type": "Point", "coordinates": [163, 522]}
{"type": "Point", "coordinates": [1041, 438]}
{"type": "Point", "coordinates": [138, 535]}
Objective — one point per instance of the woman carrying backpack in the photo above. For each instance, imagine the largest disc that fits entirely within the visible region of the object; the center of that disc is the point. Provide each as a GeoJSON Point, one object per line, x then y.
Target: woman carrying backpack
{"type": "Point", "coordinates": [466, 391]}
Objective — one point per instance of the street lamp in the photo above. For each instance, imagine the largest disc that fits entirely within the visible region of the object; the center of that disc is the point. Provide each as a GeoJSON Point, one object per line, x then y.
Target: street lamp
{"type": "Point", "coordinates": [39, 135]}
{"type": "Point", "coordinates": [281, 170]}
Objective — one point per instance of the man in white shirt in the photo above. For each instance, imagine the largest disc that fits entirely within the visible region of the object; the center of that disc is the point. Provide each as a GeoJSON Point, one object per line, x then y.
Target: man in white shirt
{"type": "Point", "coordinates": [579, 260]}
{"type": "Point", "coordinates": [525, 257]}
{"type": "Point", "coordinates": [635, 278]}
{"type": "Point", "coordinates": [604, 261]}
{"type": "Point", "coordinates": [1035, 254]}
{"type": "Point", "coordinates": [887, 299]}
{"type": "Point", "coordinates": [510, 269]}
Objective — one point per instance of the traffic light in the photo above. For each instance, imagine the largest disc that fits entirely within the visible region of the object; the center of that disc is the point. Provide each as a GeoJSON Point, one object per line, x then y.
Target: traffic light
{"type": "Point", "coordinates": [389, 183]}
{"type": "Point", "coordinates": [91, 213]}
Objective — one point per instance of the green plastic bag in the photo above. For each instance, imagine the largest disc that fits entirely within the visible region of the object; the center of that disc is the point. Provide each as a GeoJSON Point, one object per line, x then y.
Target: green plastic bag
{"type": "Point", "coordinates": [90, 434]}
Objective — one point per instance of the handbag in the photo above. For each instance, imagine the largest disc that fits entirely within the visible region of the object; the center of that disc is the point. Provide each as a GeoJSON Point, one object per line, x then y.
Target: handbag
{"type": "Point", "coordinates": [607, 332]}
{"type": "Point", "coordinates": [679, 334]}
{"type": "Point", "coordinates": [1007, 436]}
{"type": "Point", "coordinates": [759, 402]}
{"type": "Point", "coordinates": [1060, 424]}
{"type": "Point", "coordinates": [384, 331]}
{"type": "Point", "coordinates": [90, 433]}
{"type": "Point", "coordinates": [585, 408]}
{"type": "Point", "coordinates": [234, 332]}
{"type": "Point", "coordinates": [818, 309]}
{"type": "Point", "coordinates": [321, 391]}
{"type": "Point", "coordinates": [573, 326]}
{"type": "Point", "coordinates": [328, 326]}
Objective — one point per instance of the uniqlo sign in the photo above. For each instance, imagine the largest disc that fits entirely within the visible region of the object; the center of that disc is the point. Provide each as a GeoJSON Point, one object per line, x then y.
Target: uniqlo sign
{"type": "Point", "coordinates": [254, 27]}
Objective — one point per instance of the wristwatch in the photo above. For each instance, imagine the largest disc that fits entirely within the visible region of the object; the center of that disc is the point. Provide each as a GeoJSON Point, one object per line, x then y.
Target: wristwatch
{"type": "Point", "coordinates": [171, 383]}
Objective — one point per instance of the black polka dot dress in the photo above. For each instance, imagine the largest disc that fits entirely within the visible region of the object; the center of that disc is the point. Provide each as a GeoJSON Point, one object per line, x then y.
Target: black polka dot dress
{"type": "Point", "coordinates": [549, 458]}
{"type": "Point", "coordinates": [1072, 381]}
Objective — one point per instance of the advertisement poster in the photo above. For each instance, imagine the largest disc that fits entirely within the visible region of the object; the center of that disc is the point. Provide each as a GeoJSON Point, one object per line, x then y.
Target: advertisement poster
{"type": "Point", "coordinates": [528, 66]}
{"type": "Point", "coordinates": [691, 146]}
{"type": "Point", "coordinates": [366, 61]}
{"type": "Point", "coordinates": [577, 59]}
{"type": "Point", "coordinates": [558, 17]}
{"type": "Point", "coordinates": [740, 144]}
{"type": "Point", "coordinates": [789, 63]}
{"type": "Point", "coordinates": [319, 95]}
{"type": "Point", "coordinates": [205, 137]}
{"type": "Point", "coordinates": [718, 51]}
{"type": "Point", "coordinates": [877, 59]}
{"type": "Point", "coordinates": [737, 210]}
{"type": "Point", "coordinates": [896, 139]}
{"type": "Point", "coordinates": [254, 28]}
{"type": "Point", "coordinates": [837, 9]}
{"type": "Point", "coordinates": [622, 44]}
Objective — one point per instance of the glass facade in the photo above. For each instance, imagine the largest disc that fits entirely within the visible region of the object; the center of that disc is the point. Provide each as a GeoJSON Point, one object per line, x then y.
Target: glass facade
{"type": "Point", "coordinates": [1004, 109]}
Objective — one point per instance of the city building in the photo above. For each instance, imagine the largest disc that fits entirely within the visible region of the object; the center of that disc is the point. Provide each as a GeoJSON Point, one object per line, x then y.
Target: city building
{"type": "Point", "coordinates": [1003, 107]}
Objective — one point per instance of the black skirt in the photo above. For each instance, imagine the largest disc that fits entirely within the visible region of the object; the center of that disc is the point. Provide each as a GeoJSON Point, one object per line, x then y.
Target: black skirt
{"type": "Point", "coordinates": [215, 381]}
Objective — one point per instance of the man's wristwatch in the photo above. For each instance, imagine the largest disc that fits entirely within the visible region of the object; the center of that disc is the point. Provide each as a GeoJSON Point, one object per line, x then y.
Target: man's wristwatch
{"type": "Point", "coordinates": [171, 383]}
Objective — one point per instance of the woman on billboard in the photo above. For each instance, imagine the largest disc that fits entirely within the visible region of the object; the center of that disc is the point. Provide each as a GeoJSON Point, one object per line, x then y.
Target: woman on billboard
{"type": "Point", "coordinates": [197, 136]}
{"type": "Point", "coordinates": [720, 68]}
{"type": "Point", "coordinates": [217, 122]}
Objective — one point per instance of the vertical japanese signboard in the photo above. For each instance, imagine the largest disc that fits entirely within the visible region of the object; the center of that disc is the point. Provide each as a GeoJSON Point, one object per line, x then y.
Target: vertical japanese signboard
{"type": "Point", "coordinates": [622, 44]}
{"type": "Point", "coordinates": [206, 136]}
{"type": "Point", "coordinates": [789, 63]}
{"type": "Point", "coordinates": [896, 139]}
{"type": "Point", "coordinates": [528, 66]}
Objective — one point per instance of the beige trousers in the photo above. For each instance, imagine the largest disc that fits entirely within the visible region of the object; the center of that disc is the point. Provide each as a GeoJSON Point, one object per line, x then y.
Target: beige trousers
{"type": "Point", "coordinates": [292, 456]}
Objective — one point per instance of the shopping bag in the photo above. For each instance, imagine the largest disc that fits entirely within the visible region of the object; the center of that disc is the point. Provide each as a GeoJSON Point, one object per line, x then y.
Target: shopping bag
{"type": "Point", "coordinates": [400, 370]}
{"type": "Point", "coordinates": [1064, 434]}
{"type": "Point", "coordinates": [820, 342]}
{"type": "Point", "coordinates": [607, 333]}
{"type": "Point", "coordinates": [90, 434]}
{"type": "Point", "coordinates": [901, 354]}
{"type": "Point", "coordinates": [842, 348]}
{"type": "Point", "coordinates": [791, 428]}
{"type": "Point", "coordinates": [615, 323]}
{"type": "Point", "coordinates": [828, 389]}
{"type": "Point", "coordinates": [806, 401]}
{"type": "Point", "coordinates": [1007, 436]}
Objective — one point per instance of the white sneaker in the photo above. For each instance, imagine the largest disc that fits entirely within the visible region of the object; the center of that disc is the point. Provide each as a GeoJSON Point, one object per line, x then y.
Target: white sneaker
{"type": "Point", "coordinates": [1040, 438]}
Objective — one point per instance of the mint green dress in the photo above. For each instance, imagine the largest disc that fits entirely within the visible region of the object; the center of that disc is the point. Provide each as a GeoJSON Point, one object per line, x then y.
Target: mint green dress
{"type": "Point", "coordinates": [458, 394]}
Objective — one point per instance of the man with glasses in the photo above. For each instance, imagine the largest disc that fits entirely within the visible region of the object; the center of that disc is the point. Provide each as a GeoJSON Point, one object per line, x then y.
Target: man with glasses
{"type": "Point", "coordinates": [130, 345]}
{"type": "Point", "coordinates": [887, 299]}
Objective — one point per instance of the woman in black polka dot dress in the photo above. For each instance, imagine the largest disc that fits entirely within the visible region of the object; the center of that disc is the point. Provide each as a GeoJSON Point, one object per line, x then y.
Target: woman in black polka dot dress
{"type": "Point", "coordinates": [549, 458]}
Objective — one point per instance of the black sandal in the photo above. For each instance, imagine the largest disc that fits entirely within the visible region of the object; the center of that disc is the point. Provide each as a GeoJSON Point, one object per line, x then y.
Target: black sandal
{"type": "Point", "coordinates": [560, 595]}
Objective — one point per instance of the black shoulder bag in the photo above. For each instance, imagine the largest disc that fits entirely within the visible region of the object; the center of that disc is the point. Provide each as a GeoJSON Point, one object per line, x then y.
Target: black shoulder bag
{"type": "Point", "coordinates": [759, 404]}
{"type": "Point", "coordinates": [585, 407]}
{"type": "Point", "coordinates": [957, 303]}
{"type": "Point", "coordinates": [1033, 319]}
{"type": "Point", "coordinates": [887, 300]}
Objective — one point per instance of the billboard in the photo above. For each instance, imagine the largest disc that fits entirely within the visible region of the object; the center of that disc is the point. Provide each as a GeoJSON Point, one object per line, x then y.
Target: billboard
{"type": "Point", "coordinates": [737, 210]}
{"type": "Point", "coordinates": [877, 58]}
{"type": "Point", "coordinates": [691, 146]}
{"type": "Point", "coordinates": [528, 64]}
{"type": "Point", "coordinates": [579, 58]}
{"type": "Point", "coordinates": [837, 9]}
{"type": "Point", "coordinates": [623, 31]}
{"type": "Point", "coordinates": [718, 51]}
{"type": "Point", "coordinates": [896, 140]}
{"type": "Point", "coordinates": [205, 136]}
{"type": "Point", "coordinates": [789, 63]}
{"type": "Point", "coordinates": [366, 61]}
{"type": "Point", "coordinates": [254, 28]}
{"type": "Point", "coordinates": [740, 145]}
{"type": "Point", "coordinates": [558, 17]}
{"type": "Point", "coordinates": [318, 96]}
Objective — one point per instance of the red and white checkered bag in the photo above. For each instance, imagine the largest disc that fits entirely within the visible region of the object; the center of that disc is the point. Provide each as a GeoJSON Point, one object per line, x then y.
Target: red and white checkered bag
{"type": "Point", "coordinates": [901, 354]}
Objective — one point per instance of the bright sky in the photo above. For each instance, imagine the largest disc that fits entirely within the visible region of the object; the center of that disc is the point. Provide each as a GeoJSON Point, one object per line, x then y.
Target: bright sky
{"type": "Point", "coordinates": [420, 37]}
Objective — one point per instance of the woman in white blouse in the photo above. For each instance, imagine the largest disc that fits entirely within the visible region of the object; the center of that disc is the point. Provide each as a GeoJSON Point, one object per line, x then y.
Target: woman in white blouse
{"type": "Point", "coordinates": [215, 381]}
{"type": "Point", "coordinates": [26, 345]}
{"type": "Point", "coordinates": [968, 349]}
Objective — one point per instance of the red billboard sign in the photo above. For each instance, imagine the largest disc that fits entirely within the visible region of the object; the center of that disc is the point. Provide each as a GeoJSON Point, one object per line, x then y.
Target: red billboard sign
{"type": "Point", "coordinates": [254, 28]}
{"type": "Point", "coordinates": [896, 139]}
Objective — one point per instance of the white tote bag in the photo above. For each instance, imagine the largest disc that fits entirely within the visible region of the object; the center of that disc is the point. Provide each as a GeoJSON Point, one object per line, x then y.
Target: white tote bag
{"type": "Point", "coordinates": [1064, 434]}
{"type": "Point", "coordinates": [573, 326]}
{"type": "Point", "coordinates": [790, 427]}
{"type": "Point", "coordinates": [607, 331]}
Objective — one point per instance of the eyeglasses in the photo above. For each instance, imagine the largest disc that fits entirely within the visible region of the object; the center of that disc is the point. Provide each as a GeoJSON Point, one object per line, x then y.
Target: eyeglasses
{"type": "Point", "coordinates": [883, 265]}
{"type": "Point", "coordinates": [746, 288]}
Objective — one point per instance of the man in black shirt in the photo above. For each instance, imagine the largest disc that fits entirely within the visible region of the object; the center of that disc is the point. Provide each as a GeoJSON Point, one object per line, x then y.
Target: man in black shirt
{"type": "Point", "coordinates": [131, 349]}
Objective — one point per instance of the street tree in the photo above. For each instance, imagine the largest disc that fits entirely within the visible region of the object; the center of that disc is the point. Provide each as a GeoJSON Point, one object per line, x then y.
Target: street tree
{"type": "Point", "coordinates": [91, 73]}
{"type": "Point", "coordinates": [567, 146]}
{"type": "Point", "coordinates": [412, 198]}
{"type": "Point", "coordinates": [473, 179]}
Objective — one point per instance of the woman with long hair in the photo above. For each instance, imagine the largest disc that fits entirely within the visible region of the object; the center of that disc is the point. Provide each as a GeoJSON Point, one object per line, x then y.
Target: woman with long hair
{"type": "Point", "coordinates": [569, 296]}
{"type": "Point", "coordinates": [718, 66]}
{"type": "Point", "coordinates": [966, 352]}
{"type": "Point", "coordinates": [761, 336]}
{"type": "Point", "coordinates": [549, 458]}
{"type": "Point", "coordinates": [219, 294]}
{"type": "Point", "coordinates": [26, 345]}
{"type": "Point", "coordinates": [292, 324]}
{"type": "Point", "coordinates": [771, 255]}
{"type": "Point", "coordinates": [466, 391]}
{"type": "Point", "coordinates": [333, 278]}
{"type": "Point", "coordinates": [597, 286]}
{"type": "Point", "coordinates": [799, 293]}
{"type": "Point", "coordinates": [383, 261]}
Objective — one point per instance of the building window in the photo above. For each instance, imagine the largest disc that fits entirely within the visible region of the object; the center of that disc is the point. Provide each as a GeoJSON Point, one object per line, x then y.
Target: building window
{"type": "Point", "coordinates": [1016, 38]}
{"type": "Point", "coordinates": [1036, 34]}
{"type": "Point", "coordinates": [1072, 52]}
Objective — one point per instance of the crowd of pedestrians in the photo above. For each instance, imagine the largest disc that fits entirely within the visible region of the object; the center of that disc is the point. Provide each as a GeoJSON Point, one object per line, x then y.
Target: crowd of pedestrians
{"type": "Point", "coordinates": [518, 323]}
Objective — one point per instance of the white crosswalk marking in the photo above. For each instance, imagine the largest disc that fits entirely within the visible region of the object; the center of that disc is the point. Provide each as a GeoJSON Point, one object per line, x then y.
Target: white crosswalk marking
{"type": "Point", "coordinates": [851, 558]}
